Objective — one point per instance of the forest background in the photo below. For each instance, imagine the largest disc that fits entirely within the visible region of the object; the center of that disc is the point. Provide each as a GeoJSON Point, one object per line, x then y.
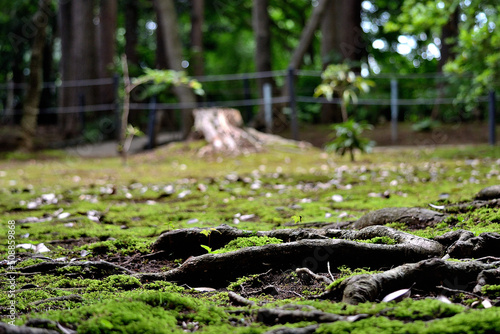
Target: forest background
{"type": "Point", "coordinates": [61, 75]}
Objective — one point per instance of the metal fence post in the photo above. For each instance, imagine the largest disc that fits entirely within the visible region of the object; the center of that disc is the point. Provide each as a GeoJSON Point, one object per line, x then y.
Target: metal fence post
{"type": "Point", "coordinates": [492, 120]}
{"type": "Point", "coordinates": [152, 123]}
{"type": "Point", "coordinates": [292, 103]}
{"type": "Point", "coordinates": [394, 110]}
{"type": "Point", "coordinates": [268, 107]}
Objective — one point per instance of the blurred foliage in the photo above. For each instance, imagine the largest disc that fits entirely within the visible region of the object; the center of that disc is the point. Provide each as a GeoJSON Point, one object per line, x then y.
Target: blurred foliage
{"type": "Point", "coordinates": [348, 138]}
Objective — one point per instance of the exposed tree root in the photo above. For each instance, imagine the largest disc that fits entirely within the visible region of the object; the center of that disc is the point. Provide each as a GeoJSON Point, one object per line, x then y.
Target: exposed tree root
{"type": "Point", "coordinates": [489, 193]}
{"type": "Point", "coordinates": [426, 274]}
{"type": "Point", "coordinates": [471, 206]}
{"type": "Point", "coordinates": [87, 268]}
{"type": "Point", "coordinates": [287, 330]}
{"type": "Point", "coordinates": [186, 242]}
{"type": "Point", "coordinates": [282, 316]}
{"type": "Point", "coordinates": [239, 300]}
{"type": "Point", "coordinates": [487, 277]}
{"type": "Point", "coordinates": [410, 216]}
{"type": "Point", "coordinates": [463, 244]}
{"type": "Point", "coordinates": [9, 329]}
{"type": "Point", "coordinates": [220, 269]}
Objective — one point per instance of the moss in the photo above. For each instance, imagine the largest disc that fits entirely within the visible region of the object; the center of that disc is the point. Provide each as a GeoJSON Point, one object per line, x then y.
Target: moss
{"type": "Point", "coordinates": [346, 272]}
{"type": "Point", "coordinates": [424, 309]}
{"type": "Point", "coordinates": [29, 262]}
{"type": "Point", "coordinates": [126, 246]}
{"type": "Point", "coordinates": [379, 240]}
{"type": "Point", "coordinates": [239, 243]}
{"type": "Point", "coordinates": [235, 286]}
{"type": "Point", "coordinates": [114, 283]}
{"type": "Point", "coordinates": [473, 321]}
{"type": "Point", "coordinates": [492, 291]}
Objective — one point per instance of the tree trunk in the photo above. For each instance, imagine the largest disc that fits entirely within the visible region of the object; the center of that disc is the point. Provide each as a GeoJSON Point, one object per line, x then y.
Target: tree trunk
{"type": "Point", "coordinates": [197, 18]}
{"type": "Point", "coordinates": [330, 113]}
{"type": "Point", "coordinates": [342, 39]}
{"type": "Point", "coordinates": [131, 22]}
{"type": "Point", "coordinates": [170, 31]}
{"type": "Point", "coordinates": [262, 35]}
{"type": "Point", "coordinates": [107, 48]}
{"type": "Point", "coordinates": [68, 122]}
{"type": "Point", "coordinates": [32, 99]}
{"type": "Point", "coordinates": [84, 47]}
{"type": "Point", "coordinates": [308, 34]}
{"type": "Point", "coordinates": [448, 33]}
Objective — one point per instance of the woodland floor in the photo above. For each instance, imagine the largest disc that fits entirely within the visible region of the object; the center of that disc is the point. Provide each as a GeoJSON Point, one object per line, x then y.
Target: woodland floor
{"type": "Point", "coordinates": [105, 267]}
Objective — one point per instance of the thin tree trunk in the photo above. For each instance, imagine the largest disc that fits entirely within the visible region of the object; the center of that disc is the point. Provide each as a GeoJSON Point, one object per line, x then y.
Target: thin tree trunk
{"type": "Point", "coordinates": [448, 32]}
{"type": "Point", "coordinates": [308, 34]}
{"type": "Point", "coordinates": [131, 22]}
{"type": "Point", "coordinates": [170, 31]}
{"type": "Point", "coordinates": [330, 113]}
{"type": "Point", "coordinates": [107, 48]}
{"type": "Point", "coordinates": [84, 47]}
{"type": "Point", "coordinates": [32, 99]}
{"type": "Point", "coordinates": [197, 19]}
{"type": "Point", "coordinates": [261, 23]}
{"type": "Point", "coordinates": [262, 35]}
{"type": "Point", "coordinates": [68, 122]}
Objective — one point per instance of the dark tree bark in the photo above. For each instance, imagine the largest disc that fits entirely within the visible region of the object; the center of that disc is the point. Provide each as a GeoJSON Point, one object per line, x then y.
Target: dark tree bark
{"type": "Point", "coordinates": [32, 98]}
{"type": "Point", "coordinates": [413, 217]}
{"type": "Point", "coordinates": [131, 38]}
{"type": "Point", "coordinates": [449, 33]}
{"type": "Point", "coordinates": [84, 47]}
{"type": "Point", "coordinates": [197, 19]}
{"type": "Point", "coordinates": [68, 122]}
{"type": "Point", "coordinates": [171, 39]}
{"type": "Point", "coordinates": [342, 39]}
{"type": "Point", "coordinates": [107, 47]}
{"type": "Point", "coordinates": [308, 34]}
{"type": "Point", "coordinates": [262, 35]}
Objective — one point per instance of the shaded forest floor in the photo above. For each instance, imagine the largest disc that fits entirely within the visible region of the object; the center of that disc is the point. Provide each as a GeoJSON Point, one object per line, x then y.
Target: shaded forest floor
{"type": "Point", "coordinates": [92, 259]}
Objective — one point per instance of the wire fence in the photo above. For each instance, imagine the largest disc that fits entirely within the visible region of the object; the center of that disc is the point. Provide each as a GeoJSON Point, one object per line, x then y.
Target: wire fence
{"type": "Point", "coordinates": [394, 91]}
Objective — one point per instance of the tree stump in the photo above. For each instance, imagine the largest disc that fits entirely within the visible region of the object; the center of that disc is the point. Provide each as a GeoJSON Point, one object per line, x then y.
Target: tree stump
{"type": "Point", "coordinates": [223, 129]}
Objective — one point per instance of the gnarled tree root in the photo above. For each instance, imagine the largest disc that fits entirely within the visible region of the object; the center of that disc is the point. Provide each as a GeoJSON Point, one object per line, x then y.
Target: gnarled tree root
{"type": "Point", "coordinates": [220, 269]}
{"type": "Point", "coordinates": [426, 274]}
{"type": "Point", "coordinates": [409, 216]}
{"type": "Point", "coordinates": [88, 268]}
{"type": "Point", "coordinates": [186, 242]}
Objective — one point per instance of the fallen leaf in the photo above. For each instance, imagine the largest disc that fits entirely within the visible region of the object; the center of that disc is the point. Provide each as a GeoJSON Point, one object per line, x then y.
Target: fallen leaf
{"type": "Point", "coordinates": [397, 295]}
{"type": "Point", "coordinates": [486, 303]}
{"type": "Point", "coordinates": [204, 289]}
{"type": "Point", "coordinates": [437, 207]}
{"type": "Point", "coordinates": [41, 248]}
{"type": "Point", "coordinates": [444, 299]}
{"type": "Point", "coordinates": [26, 246]}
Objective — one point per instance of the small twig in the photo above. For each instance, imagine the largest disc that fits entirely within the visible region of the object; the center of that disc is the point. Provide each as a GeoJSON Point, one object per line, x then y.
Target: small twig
{"type": "Point", "coordinates": [76, 298]}
{"type": "Point", "coordinates": [459, 291]}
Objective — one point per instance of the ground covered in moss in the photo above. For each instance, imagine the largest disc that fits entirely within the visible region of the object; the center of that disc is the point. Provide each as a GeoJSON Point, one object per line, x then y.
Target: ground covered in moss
{"type": "Point", "coordinates": [177, 243]}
